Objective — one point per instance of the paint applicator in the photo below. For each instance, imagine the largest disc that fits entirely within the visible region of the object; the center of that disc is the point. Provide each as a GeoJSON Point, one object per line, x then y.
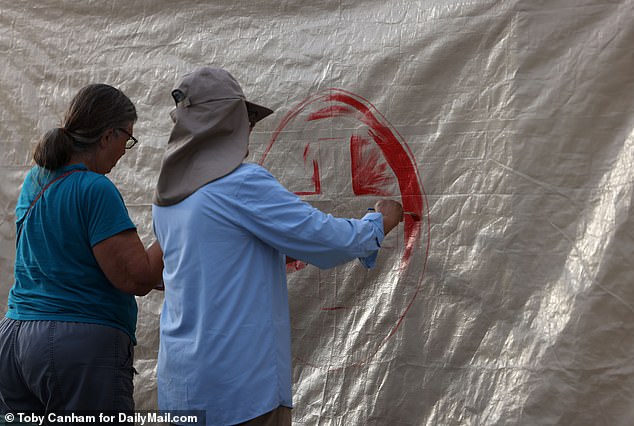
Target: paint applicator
{"type": "Point", "coordinates": [415, 217]}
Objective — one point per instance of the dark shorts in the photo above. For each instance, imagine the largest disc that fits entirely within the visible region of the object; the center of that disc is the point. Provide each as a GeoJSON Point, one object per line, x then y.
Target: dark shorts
{"type": "Point", "coordinates": [55, 366]}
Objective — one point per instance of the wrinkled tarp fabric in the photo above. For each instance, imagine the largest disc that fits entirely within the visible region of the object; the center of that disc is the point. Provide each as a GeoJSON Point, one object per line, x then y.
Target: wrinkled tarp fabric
{"type": "Point", "coordinates": [505, 127]}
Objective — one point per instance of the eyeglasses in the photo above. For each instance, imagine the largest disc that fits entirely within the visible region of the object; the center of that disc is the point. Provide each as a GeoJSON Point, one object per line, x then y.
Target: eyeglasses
{"type": "Point", "coordinates": [130, 142]}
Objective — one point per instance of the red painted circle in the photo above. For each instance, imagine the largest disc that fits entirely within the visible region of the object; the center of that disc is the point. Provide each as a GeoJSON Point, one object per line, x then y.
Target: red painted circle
{"type": "Point", "coordinates": [379, 157]}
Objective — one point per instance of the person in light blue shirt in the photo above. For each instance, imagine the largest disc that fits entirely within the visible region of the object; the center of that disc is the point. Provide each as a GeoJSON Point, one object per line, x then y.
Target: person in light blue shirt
{"type": "Point", "coordinates": [226, 229]}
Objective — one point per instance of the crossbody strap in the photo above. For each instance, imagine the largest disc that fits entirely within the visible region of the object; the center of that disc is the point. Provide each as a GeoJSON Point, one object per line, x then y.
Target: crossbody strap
{"type": "Point", "coordinates": [26, 215]}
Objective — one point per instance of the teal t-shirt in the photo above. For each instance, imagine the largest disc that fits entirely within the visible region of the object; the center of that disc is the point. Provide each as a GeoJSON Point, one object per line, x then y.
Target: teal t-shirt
{"type": "Point", "coordinates": [57, 276]}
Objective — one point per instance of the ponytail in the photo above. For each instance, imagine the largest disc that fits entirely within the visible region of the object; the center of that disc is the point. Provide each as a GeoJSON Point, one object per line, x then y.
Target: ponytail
{"type": "Point", "coordinates": [93, 110]}
{"type": "Point", "coordinates": [54, 150]}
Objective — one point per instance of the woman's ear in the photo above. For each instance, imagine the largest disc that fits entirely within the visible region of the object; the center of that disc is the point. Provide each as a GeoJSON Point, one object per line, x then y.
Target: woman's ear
{"type": "Point", "coordinates": [105, 138]}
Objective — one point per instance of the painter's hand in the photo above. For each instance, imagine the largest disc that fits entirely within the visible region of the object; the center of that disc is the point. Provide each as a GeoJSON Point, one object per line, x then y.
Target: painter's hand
{"type": "Point", "coordinates": [392, 214]}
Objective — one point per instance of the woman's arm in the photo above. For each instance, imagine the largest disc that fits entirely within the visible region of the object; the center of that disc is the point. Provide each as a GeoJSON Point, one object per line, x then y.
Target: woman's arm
{"type": "Point", "coordinates": [128, 265]}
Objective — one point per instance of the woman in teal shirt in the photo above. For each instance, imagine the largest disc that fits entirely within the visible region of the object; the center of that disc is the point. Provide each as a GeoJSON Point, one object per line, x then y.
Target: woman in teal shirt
{"type": "Point", "coordinates": [66, 343]}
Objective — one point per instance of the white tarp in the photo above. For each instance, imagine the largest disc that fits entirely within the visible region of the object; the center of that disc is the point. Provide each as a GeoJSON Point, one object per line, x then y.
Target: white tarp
{"type": "Point", "coordinates": [505, 127]}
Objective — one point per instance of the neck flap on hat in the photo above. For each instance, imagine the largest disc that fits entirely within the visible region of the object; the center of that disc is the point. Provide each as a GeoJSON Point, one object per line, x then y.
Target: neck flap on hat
{"type": "Point", "coordinates": [210, 136]}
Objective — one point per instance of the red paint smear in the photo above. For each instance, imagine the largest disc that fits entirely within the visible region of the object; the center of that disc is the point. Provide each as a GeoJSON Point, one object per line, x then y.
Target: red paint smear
{"type": "Point", "coordinates": [316, 178]}
{"type": "Point", "coordinates": [368, 176]}
{"type": "Point", "coordinates": [330, 112]}
{"type": "Point", "coordinates": [398, 156]}
{"type": "Point", "coordinates": [316, 182]}
{"type": "Point", "coordinates": [296, 265]}
{"type": "Point", "coordinates": [399, 160]}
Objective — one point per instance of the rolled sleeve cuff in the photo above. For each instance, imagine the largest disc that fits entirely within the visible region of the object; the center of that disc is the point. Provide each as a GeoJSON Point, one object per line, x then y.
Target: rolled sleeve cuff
{"type": "Point", "coordinates": [376, 219]}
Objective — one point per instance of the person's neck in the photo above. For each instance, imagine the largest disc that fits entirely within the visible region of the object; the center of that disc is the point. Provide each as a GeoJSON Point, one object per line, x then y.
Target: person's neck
{"type": "Point", "coordinates": [85, 158]}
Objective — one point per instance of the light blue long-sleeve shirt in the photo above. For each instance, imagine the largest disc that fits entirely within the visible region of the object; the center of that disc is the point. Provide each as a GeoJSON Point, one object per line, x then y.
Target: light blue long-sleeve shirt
{"type": "Point", "coordinates": [225, 329]}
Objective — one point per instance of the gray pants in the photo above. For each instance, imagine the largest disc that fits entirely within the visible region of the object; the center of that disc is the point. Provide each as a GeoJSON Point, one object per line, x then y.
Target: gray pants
{"type": "Point", "coordinates": [55, 366]}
